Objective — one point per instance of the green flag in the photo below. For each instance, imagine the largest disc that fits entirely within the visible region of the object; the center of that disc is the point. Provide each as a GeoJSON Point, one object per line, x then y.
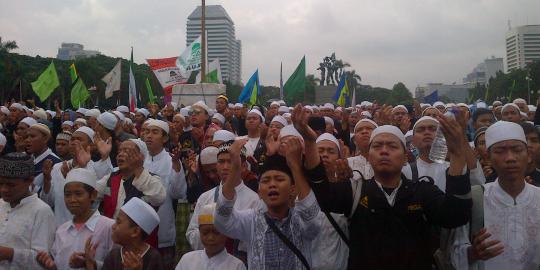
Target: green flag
{"type": "Point", "coordinates": [295, 86]}
{"type": "Point", "coordinates": [46, 83]}
{"type": "Point", "coordinates": [512, 89]}
{"type": "Point", "coordinates": [79, 93]}
{"type": "Point", "coordinates": [151, 96]}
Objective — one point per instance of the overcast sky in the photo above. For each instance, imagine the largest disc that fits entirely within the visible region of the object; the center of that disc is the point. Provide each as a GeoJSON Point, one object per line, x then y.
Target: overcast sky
{"type": "Point", "coordinates": [385, 41]}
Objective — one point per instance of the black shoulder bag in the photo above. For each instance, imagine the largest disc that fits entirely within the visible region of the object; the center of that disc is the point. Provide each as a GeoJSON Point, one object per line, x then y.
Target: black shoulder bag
{"type": "Point", "coordinates": [287, 242]}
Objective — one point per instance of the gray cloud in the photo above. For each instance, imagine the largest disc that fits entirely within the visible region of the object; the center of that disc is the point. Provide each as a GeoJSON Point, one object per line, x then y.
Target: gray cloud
{"type": "Point", "coordinates": [386, 41]}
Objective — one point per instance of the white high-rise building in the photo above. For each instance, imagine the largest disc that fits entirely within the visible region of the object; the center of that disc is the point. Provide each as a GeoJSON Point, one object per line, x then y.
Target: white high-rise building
{"type": "Point", "coordinates": [522, 46]}
{"type": "Point", "coordinates": [72, 51]}
{"type": "Point", "coordinates": [221, 41]}
{"type": "Point", "coordinates": [484, 71]}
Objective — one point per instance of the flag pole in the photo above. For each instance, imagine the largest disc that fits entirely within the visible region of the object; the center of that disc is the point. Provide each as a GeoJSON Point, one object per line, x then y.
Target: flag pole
{"type": "Point", "coordinates": [203, 41]}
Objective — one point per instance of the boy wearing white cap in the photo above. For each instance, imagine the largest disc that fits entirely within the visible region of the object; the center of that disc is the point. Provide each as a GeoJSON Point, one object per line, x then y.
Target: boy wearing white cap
{"type": "Point", "coordinates": [37, 138]}
{"type": "Point", "coordinates": [214, 255]}
{"type": "Point", "coordinates": [503, 230]}
{"type": "Point", "coordinates": [135, 221]}
{"type": "Point", "coordinates": [390, 215]}
{"type": "Point", "coordinates": [86, 239]}
{"type": "Point", "coordinates": [172, 176]}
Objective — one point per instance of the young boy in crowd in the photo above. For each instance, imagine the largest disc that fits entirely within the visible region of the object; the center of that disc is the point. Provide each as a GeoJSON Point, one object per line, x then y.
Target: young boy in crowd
{"type": "Point", "coordinates": [134, 222]}
{"type": "Point", "coordinates": [88, 231]}
{"type": "Point", "coordinates": [214, 255]}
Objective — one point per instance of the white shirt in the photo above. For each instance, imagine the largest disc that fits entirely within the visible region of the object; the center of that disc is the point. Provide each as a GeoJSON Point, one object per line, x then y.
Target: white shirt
{"type": "Point", "coordinates": [513, 222]}
{"type": "Point", "coordinates": [27, 228]}
{"type": "Point", "coordinates": [251, 145]}
{"type": "Point", "coordinates": [69, 240]}
{"type": "Point", "coordinates": [360, 163]}
{"type": "Point", "coordinates": [246, 199]}
{"type": "Point", "coordinates": [55, 197]}
{"type": "Point", "coordinates": [38, 179]}
{"type": "Point", "coordinates": [198, 260]}
{"type": "Point", "coordinates": [437, 171]}
{"type": "Point", "coordinates": [175, 187]}
{"type": "Point", "coordinates": [328, 250]}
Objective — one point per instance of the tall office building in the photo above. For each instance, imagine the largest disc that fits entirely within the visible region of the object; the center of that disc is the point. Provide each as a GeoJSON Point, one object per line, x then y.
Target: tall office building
{"type": "Point", "coordinates": [484, 71]}
{"type": "Point", "coordinates": [522, 46]}
{"type": "Point", "coordinates": [221, 41]}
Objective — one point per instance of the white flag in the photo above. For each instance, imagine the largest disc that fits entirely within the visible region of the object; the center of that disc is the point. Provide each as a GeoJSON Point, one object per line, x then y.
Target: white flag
{"type": "Point", "coordinates": [112, 79]}
{"type": "Point", "coordinates": [214, 73]}
{"type": "Point", "coordinates": [132, 92]}
{"type": "Point", "coordinates": [190, 59]}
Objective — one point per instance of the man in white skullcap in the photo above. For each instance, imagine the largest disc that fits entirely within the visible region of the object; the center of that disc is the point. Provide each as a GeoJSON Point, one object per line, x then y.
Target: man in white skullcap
{"type": "Point", "coordinates": [91, 117]}
{"type": "Point", "coordinates": [362, 134]}
{"type": "Point", "coordinates": [245, 197]}
{"type": "Point", "coordinates": [172, 176]}
{"type": "Point", "coordinates": [214, 255]}
{"type": "Point", "coordinates": [202, 127]}
{"type": "Point", "coordinates": [400, 118]}
{"type": "Point", "coordinates": [329, 238]}
{"type": "Point", "coordinates": [219, 120]}
{"type": "Point", "coordinates": [254, 120]}
{"type": "Point", "coordinates": [135, 221]}
{"type": "Point", "coordinates": [424, 132]}
{"type": "Point", "coordinates": [502, 233]}
{"type": "Point", "coordinates": [37, 138]}
{"type": "Point", "coordinates": [510, 112]}
{"type": "Point", "coordinates": [374, 202]}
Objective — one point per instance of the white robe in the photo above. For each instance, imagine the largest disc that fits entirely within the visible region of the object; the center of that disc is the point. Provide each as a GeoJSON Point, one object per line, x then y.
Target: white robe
{"type": "Point", "coordinates": [329, 251]}
{"type": "Point", "coordinates": [198, 260]}
{"type": "Point", "coordinates": [516, 223]}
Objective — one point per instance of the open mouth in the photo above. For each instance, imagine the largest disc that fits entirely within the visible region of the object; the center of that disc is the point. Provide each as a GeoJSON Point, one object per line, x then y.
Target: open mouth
{"type": "Point", "coordinates": [273, 195]}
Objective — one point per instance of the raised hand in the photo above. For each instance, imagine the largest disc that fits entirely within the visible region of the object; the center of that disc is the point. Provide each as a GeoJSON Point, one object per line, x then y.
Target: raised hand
{"type": "Point", "coordinates": [175, 157]}
{"type": "Point", "coordinates": [345, 151]}
{"type": "Point", "coordinates": [484, 249]}
{"type": "Point", "coordinates": [82, 155]}
{"type": "Point", "coordinates": [343, 171]}
{"type": "Point", "coordinates": [300, 121]}
{"type": "Point", "coordinates": [45, 260]}
{"type": "Point", "coordinates": [294, 152]}
{"type": "Point", "coordinates": [385, 115]}
{"type": "Point", "coordinates": [234, 177]}
{"type": "Point", "coordinates": [77, 260]}
{"type": "Point", "coordinates": [453, 133]}
{"type": "Point", "coordinates": [90, 253]}
{"type": "Point", "coordinates": [405, 124]}
{"type": "Point", "coordinates": [66, 167]}
{"type": "Point", "coordinates": [104, 147]}
{"type": "Point", "coordinates": [272, 144]}
{"type": "Point", "coordinates": [47, 168]}
{"type": "Point", "coordinates": [132, 261]}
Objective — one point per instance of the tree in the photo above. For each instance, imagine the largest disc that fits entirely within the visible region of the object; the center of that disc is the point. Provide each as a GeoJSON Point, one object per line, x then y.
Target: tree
{"type": "Point", "coordinates": [311, 82]}
{"type": "Point", "coordinates": [400, 94]}
{"type": "Point", "coordinates": [7, 46]}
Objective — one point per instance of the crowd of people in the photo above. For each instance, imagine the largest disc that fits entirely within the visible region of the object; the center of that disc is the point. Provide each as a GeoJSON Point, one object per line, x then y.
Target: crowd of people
{"type": "Point", "coordinates": [422, 186]}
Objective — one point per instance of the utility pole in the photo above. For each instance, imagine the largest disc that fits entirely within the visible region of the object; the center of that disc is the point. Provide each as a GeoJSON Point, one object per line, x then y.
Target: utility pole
{"type": "Point", "coordinates": [203, 41]}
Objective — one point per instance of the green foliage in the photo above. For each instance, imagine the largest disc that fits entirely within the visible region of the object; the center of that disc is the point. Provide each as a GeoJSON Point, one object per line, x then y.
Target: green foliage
{"type": "Point", "coordinates": [18, 69]}
{"type": "Point", "coordinates": [401, 95]}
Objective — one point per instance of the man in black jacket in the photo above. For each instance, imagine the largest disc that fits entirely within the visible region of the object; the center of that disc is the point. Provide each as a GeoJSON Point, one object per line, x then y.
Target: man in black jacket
{"type": "Point", "coordinates": [391, 219]}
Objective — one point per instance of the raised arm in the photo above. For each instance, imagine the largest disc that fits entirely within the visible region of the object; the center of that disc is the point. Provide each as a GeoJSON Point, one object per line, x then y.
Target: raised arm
{"type": "Point", "coordinates": [294, 160]}
{"type": "Point", "coordinates": [234, 178]}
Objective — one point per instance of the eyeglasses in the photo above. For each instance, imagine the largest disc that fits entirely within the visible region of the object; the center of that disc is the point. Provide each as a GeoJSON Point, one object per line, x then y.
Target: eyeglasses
{"type": "Point", "coordinates": [195, 112]}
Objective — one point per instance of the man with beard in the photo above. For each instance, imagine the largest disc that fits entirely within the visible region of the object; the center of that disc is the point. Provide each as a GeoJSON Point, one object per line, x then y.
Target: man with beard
{"type": "Point", "coordinates": [16, 114]}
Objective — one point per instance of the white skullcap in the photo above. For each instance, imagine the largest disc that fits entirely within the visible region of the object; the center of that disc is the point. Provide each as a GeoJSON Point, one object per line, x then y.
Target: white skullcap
{"type": "Point", "coordinates": [532, 108]}
{"type": "Point", "coordinates": [53, 114]}
{"type": "Point", "coordinates": [223, 135]}
{"type": "Point", "coordinates": [184, 112]}
{"type": "Point", "coordinates": [206, 214]}
{"type": "Point", "coordinates": [201, 105]}
{"type": "Point", "coordinates": [366, 121]}
{"type": "Point", "coordinates": [289, 130]}
{"type": "Point", "coordinates": [523, 114]}
{"type": "Point", "coordinates": [69, 123]}
{"type": "Point", "coordinates": [81, 120]}
{"type": "Point", "coordinates": [143, 149]}
{"type": "Point", "coordinates": [219, 117]}
{"type": "Point", "coordinates": [438, 103]}
{"type": "Point", "coordinates": [328, 106]}
{"type": "Point", "coordinates": [339, 109]}
{"type": "Point", "coordinates": [160, 124]}
{"type": "Point", "coordinates": [508, 105]}
{"type": "Point", "coordinates": [309, 108]}
{"type": "Point", "coordinates": [425, 118]}
{"type": "Point", "coordinates": [231, 106]}
{"type": "Point", "coordinates": [41, 114]}
{"type": "Point", "coordinates": [462, 105]}
{"type": "Point", "coordinates": [144, 112]}
{"type": "Point", "coordinates": [3, 139]}
{"type": "Point", "coordinates": [496, 103]}
{"type": "Point", "coordinates": [122, 109]}
{"type": "Point", "coordinates": [174, 105]}
{"type": "Point", "coordinates": [238, 105]}
{"type": "Point", "coordinates": [280, 119]}
{"type": "Point", "coordinates": [209, 155]}
{"type": "Point", "coordinates": [504, 131]}
{"type": "Point", "coordinates": [81, 111]}
{"type": "Point", "coordinates": [25, 108]}
{"type": "Point", "coordinates": [88, 131]}
{"type": "Point", "coordinates": [366, 114]}
{"type": "Point", "coordinates": [328, 120]}
{"type": "Point", "coordinates": [388, 129]}
{"type": "Point", "coordinates": [142, 214]}
{"type": "Point", "coordinates": [120, 115]}
{"type": "Point", "coordinates": [274, 103]}
{"type": "Point", "coordinates": [257, 112]}
{"type": "Point", "coordinates": [17, 106]}
{"type": "Point", "coordinates": [211, 112]}
{"type": "Point", "coordinates": [286, 115]}
{"type": "Point", "coordinates": [481, 105]}
{"type": "Point", "coordinates": [181, 117]}
{"type": "Point", "coordinates": [82, 175]}
{"type": "Point", "coordinates": [519, 100]}
{"type": "Point", "coordinates": [282, 103]}
{"type": "Point", "coordinates": [328, 137]}
{"type": "Point", "coordinates": [107, 120]}
{"type": "Point", "coordinates": [400, 107]}
{"type": "Point", "coordinates": [128, 121]}
{"type": "Point", "coordinates": [29, 121]}
{"type": "Point", "coordinates": [42, 128]}
{"type": "Point", "coordinates": [4, 110]}
{"type": "Point", "coordinates": [283, 109]}
{"type": "Point", "coordinates": [92, 113]}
